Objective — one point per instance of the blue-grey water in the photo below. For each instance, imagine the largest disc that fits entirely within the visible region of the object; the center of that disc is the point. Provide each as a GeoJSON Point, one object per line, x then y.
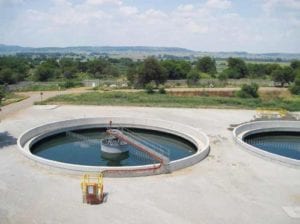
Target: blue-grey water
{"type": "Point", "coordinates": [83, 148]}
{"type": "Point", "coordinates": [282, 143]}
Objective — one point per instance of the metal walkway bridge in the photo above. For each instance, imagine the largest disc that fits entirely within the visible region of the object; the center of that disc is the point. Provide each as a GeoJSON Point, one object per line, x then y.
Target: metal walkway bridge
{"type": "Point", "coordinates": [152, 150]}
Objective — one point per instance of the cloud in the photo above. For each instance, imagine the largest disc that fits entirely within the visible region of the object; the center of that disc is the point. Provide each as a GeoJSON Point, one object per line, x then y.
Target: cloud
{"type": "Point", "coordinates": [186, 8]}
{"type": "Point", "coordinates": [218, 4]}
{"type": "Point", "coordinates": [270, 6]}
{"type": "Point", "coordinates": [103, 2]}
{"type": "Point", "coordinates": [211, 26]}
{"type": "Point", "coordinates": [129, 10]}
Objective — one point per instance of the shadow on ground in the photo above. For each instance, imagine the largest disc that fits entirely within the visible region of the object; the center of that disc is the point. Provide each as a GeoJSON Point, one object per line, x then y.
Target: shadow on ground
{"type": "Point", "coordinates": [7, 139]}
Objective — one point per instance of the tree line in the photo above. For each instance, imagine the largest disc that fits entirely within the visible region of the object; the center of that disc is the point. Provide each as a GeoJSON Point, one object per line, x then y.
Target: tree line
{"type": "Point", "coordinates": [141, 72]}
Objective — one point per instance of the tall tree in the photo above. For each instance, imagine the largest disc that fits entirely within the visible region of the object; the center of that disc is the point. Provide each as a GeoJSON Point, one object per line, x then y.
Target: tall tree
{"type": "Point", "coordinates": [207, 65]}
{"type": "Point", "coordinates": [7, 76]}
{"type": "Point", "coordinates": [295, 64]}
{"type": "Point", "coordinates": [151, 70]}
{"type": "Point", "coordinates": [295, 89]}
{"type": "Point", "coordinates": [2, 93]}
{"type": "Point", "coordinates": [283, 75]}
{"type": "Point", "coordinates": [176, 69]}
{"type": "Point", "coordinates": [237, 68]}
{"type": "Point", "coordinates": [44, 72]}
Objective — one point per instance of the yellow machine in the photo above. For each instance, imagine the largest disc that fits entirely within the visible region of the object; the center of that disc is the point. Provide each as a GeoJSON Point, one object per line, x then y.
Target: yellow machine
{"type": "Point", "coordinates": [270, 113]}
{"type": "Point", "coordinates": [92, 189]}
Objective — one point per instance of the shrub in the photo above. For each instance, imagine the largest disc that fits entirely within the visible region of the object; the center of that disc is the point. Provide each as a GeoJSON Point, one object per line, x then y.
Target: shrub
{"type": "Point", "coordinates": [248, 91]}
{"type": "Point", "coordinates": [162, 90]}
{"type": "Point", "coordinates": [149, 88]}
{"type": "Point", "coordinates": [193, 77]}
{"type": "Point", "coordinates": [295, 88]}
{"type": "Point", "coordinates": [2, 93]}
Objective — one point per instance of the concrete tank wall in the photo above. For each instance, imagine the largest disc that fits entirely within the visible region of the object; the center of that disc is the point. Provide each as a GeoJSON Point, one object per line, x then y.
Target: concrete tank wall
{"type": "Point", "coordinates": [198, 138]}
{"type": "Point", "coordinates": [240, 132]}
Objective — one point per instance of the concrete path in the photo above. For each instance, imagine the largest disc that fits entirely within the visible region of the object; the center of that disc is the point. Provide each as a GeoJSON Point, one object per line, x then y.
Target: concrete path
{"type": "Point", "coordinates": [13, 108]}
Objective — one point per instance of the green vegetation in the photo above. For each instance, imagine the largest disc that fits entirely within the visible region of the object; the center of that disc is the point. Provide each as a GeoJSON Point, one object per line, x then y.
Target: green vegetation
{"type": "Point", "coordinates": [166, 100]}
{"type": "Point", "coordinates": [283, 75]}
{"type": "Point", "coordinates": [207, 65]}
{"type": "Point", "coordinates": [153, 72]}
{"type": "Point", "coordinates": [60, 68]}
{"type": "Point", "coordinates": [162, 90]}
{"type": "Point", "coordinates": [295, 88]}
{"type": "Point", "coordinates": [149, 88]}
{"type": "Point", "coordinates": [13, 69]}
{"type": "Point", "coordinates": [176, 69]}
{"type": "Point", "coordinates": [51, 87]}
{"type": "Point", "coordinates": [193, 77]}
{"type": "Point", "coordinates": [237, 68]}
{"type": "Point", "coordinates": [2, 94]}
{"type": "Point", "coordinates": [248, 91]}
{"type": "Point", "coordinates": [9, 98]}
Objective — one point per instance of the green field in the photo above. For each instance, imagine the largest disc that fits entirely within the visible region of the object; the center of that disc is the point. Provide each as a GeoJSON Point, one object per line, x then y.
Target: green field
{"type": "Point", "coordinates": [13, 98]}
{"type": "Point", "coordinates": [165, 100]}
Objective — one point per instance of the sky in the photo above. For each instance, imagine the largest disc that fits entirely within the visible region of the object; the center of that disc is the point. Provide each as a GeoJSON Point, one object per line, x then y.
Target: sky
{"type": "Point", "coordinates": [256, 26]}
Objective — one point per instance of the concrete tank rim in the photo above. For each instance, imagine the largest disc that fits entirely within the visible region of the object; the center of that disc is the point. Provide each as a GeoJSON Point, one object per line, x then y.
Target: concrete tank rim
{"type": "Point", "coordinates": [241, 131]}
{"type": "Point", "coordinates": [175, 164]}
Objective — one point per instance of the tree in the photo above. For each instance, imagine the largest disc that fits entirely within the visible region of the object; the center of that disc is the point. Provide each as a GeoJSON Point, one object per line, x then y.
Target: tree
{"type": "Point", "coordinates": [207, 65]}
{"type": "Point", "coordinates": [102, 67]}
{"type": "Point", "coordinates": [236, 68]}
{"type": "Point", "coordinates": [2, 93]}
{"type": "Point", "coordinates": [132, 75]}
{"type": "Point", "coordinates": [283, 75]}
{"type": "Point", "coordinates": [13, 69]}
{"type": "Point", "coordinates": [248, 91]}
{"type": "Point", "coordinates": [223, 77]}
{"type": "Point", "coordinates": [295, 64]}
{"type": "Point", "coordinates": [271, 67]}
{"type": "Point", "coordinates": [6, 76]}
{"type": "Point", "coordinates": [150, 71]}
{"type": "Point", "coordinates": [111, 70]}
{"type": "Point", "coordinates": [256, 70]}
{"type": "Point", "coordinates": [193, 77]}
{"type": "Point", "coordinates": [295, 88]}
{"type": "Point", "coordinates": [176, 69]}
{"type": "Point", "coordinates": [44, 72]}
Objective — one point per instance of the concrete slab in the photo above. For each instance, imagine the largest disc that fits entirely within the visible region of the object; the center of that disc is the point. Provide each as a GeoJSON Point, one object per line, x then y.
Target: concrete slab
{"type": "Point", "coordinates": [230, 186]}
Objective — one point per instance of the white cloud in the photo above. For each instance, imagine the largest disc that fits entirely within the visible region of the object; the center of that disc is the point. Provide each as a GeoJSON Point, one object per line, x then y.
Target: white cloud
{"type": "Point", "coordinates": [129, 10]}
{"type": "Point", "coordinates": [103, 2]}
{"type": "Point", "coordinates": [218, 4]}
{"type": "Point", "coordinates": [207, 26]}
{"type": "Point", "coordinates": [270, 6]}
{"type": "Point", "coordinates": [186, 8]}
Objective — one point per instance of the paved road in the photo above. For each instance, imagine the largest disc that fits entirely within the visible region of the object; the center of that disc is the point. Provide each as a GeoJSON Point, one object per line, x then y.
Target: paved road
{"type": "Point", "coordinates": [14, 108]}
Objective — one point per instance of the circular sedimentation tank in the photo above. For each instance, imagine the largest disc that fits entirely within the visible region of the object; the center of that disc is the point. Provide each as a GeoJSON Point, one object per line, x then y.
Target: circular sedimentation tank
{"type": "Point", "coordinates": [76, 145]}
{"type": "Point", "coordinates": [277, 140]}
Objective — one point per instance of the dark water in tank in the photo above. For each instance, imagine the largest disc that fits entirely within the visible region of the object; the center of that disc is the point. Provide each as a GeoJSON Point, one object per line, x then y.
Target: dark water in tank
{"type": "Point", "coordinates": [83, 148]}
{"type": "Point", "coordinates": [282, 143]}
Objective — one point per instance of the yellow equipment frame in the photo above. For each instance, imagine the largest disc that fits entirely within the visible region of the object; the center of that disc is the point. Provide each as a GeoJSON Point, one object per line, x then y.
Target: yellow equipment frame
{"type": "Point", "coordinates": [270, 113]}
{"type": "Point", "coordinates": [95, 181]}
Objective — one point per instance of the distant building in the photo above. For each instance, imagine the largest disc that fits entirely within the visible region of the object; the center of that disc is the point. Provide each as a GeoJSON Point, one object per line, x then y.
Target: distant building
{"type": "Point", "coordinates": [91, 83]}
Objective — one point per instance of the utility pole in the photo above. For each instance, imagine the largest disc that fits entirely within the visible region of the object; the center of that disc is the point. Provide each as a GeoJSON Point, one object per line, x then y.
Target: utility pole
{"type": "Point", "coordinates": [41, 93]}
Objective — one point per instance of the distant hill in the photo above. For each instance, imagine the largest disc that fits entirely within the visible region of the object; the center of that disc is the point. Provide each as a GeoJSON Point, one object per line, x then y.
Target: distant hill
{"type": "Point", "coordinates": [7, 49]}
{"type": "Point", "coordinates": [142, 51]}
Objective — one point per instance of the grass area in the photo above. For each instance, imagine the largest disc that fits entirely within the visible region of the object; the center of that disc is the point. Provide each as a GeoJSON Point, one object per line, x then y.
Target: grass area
{"type": "Point", "coordinates": [37, 87]}
{"type": "Point", "coordinates": [13, 98]}
{"type": "Point", "coordinates": [165, 100]}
